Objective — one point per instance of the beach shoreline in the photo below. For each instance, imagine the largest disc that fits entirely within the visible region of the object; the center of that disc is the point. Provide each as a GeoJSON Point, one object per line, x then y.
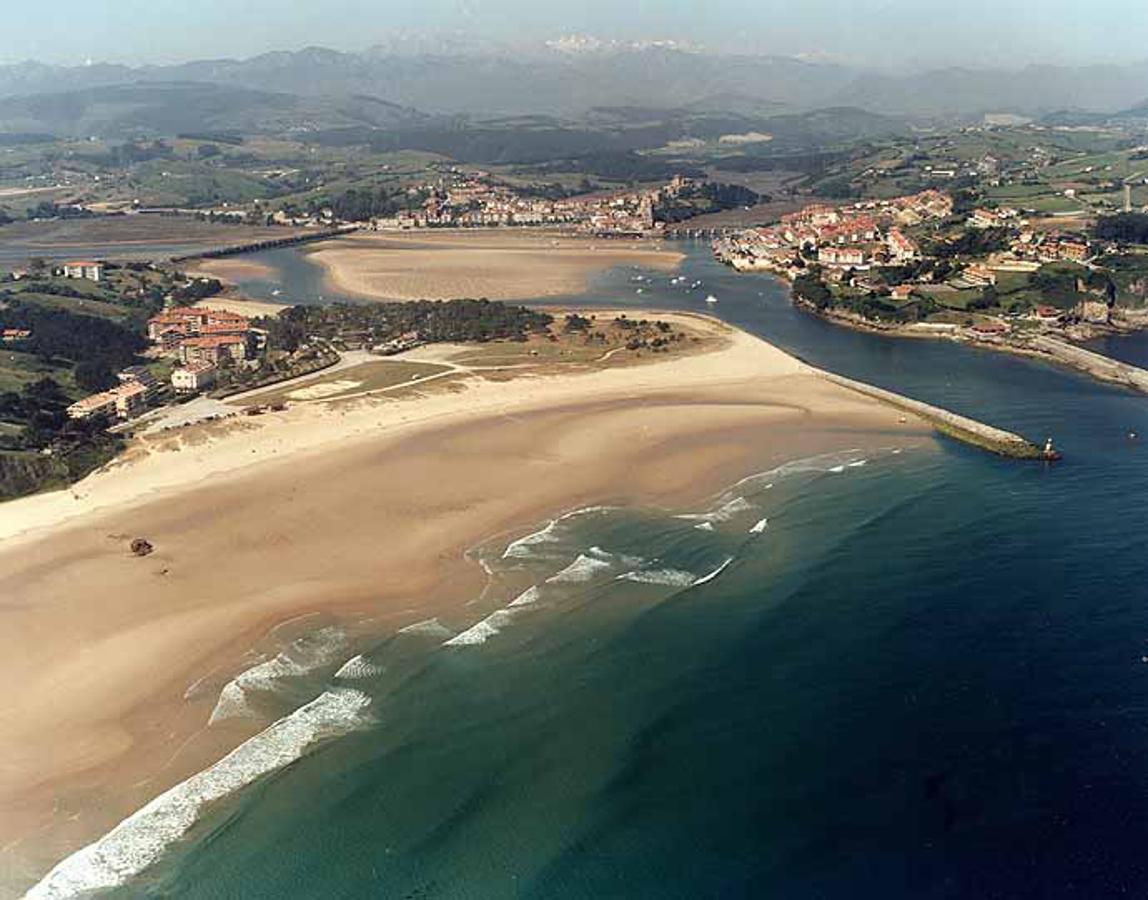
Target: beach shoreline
{"type": "Point", "coordinates": [352, 511]}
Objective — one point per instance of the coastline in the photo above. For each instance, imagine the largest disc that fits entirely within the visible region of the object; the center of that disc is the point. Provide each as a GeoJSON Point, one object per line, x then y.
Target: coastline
{"type": "Point", "coordinates": [323, 497]}
{"type": "Point", "coordinates": [1057, 351]}
{"type": "Point", "coordinates": [1053, 350]}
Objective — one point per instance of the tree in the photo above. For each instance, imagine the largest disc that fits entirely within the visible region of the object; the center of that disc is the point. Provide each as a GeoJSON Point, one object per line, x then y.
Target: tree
{"type": "Point", "coordinates": [93, 376]}
{"type": "Point", "coordinates": [1129, 227]}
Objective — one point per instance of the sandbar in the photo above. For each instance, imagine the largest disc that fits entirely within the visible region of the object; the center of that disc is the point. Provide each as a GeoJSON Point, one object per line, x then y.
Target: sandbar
{"type": "Point", "coordinates": [498, 265]}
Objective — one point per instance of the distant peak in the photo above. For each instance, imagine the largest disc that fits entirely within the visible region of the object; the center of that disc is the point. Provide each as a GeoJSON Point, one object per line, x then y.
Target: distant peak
{"type": "Point", "coordinates": [577, 44]}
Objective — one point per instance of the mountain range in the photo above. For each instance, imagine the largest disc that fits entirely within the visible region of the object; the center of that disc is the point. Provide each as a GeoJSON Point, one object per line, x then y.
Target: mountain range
{"type": "Point", "coordinates": [569, 76]}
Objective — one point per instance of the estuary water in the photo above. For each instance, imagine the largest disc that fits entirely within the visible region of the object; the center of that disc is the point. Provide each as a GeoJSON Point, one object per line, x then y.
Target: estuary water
{"type": "Point", "coordinates": [907, 673]}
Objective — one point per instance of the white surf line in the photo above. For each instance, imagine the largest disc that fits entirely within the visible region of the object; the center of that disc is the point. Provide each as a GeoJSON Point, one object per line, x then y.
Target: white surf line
{"type": "Point", "coordinates": [714, 574]}
{"type": "Point", "coordinates": [317, 650]}
{"type": "Point", "coordinates": [431, 627]}
{"type": "Point", "coordinates": [359, 667]}
{"type": "Point", "coordinates": [481, 631]}
{"type": "Point", "coordinates": [140, 840]}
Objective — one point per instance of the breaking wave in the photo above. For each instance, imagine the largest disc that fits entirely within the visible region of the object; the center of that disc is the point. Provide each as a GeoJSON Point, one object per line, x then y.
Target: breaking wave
{"type": "Point", "coordinates": [359, 667]}
{"type": "Point", "coordinates": [141, 839]}
{"type": "Point", "coordinates": [527, 597]}
{"type": "Point", "coordinates": [705, 579]}
{"type": "Point", "coordinates": [522, 548]}
{"type": "Point", "coordinates": [667, 577]}
{"type": "Point", "coordinates": [305, 654]}
{"type": "Point", "coordinates": [481, 632]}
{"type": "Point", "coordinates": [726, 511]}
{"type": "Point", "coordinates": [589, 564]}
{"type": "Point", "coordinates": [430, 627]}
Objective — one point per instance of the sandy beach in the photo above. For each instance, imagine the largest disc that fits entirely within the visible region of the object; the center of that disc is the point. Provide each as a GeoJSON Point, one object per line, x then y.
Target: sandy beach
{"type": "Point", "coordinates": [251, 308]}
{"type": "Point", "coordinates": [229, 269]}
{"type": "Point", "coordinates": [362, 511]}
{"type": "Point", "coordinates": [501, 264]}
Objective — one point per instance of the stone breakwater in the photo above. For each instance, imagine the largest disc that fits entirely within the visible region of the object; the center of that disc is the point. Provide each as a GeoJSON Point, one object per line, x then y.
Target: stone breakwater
{"type": "Point", "coordinates": [1103, 368]}
{"type": "Point", "coordinates": [959, 427]}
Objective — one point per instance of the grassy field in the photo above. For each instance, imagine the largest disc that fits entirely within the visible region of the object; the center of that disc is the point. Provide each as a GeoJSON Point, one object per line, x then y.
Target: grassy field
{"type": "Point", "coordinates": [18, 369]}
{"type": "Point", "coordinates": [85, 306]}
{"type": "Point", "coordinates": [122, 237]}
{"type": "Point", "coordinates": [364, 378]}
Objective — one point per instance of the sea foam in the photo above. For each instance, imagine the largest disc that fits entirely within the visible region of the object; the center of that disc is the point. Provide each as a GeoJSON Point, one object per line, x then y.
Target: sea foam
{"type": "Point", "coordinates": [430, 627]}
{"type": "Point", "coordinates": [726, 511]}
{"type": "Point", "coordinates": [481, 632]}
{"type": "Point", "coordinates": [715, 573]}
{"type": "Point", "coordinates": [523, 548]}
{"type": "Point", "coordinates": [589, 564]}
{"type": "Point", "coordinates": [668, 577]}
{"type": "Point", "coordinates": [527, 597]}
{"type": "Point", "coordinates": [359, 667]}
{"type": "Point", "coordinates": [304, 655]}
{"type": "Point", "coordinates": [141, 839]}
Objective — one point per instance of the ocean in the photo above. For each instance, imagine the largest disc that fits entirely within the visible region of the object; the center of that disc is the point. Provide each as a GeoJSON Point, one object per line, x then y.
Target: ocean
{"type": "Point", "coordinates": [906, 673]}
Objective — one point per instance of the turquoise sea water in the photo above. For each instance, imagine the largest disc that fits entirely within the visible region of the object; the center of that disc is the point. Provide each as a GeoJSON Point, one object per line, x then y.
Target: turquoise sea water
{"type": "Point", "coordinates": [896, 674]}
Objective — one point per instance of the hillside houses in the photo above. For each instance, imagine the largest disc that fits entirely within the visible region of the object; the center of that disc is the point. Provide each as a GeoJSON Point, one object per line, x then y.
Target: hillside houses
{"type": "Point", "coordinates": [474, 201]}
{"type": "Point", "coordinates": [203, 340]}
{"type": "Point", "coordinates": [126, 401]}
{"type": "Point", "coordinates": [858, 236]}
{"type": "Point", "coordinates": [172, 329]}
{"type": "Point", "coordinates": [84, 269]}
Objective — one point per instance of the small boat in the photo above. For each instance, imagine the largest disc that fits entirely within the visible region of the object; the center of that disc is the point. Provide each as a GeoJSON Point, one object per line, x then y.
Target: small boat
{"type": "Point", "coordinates": [1050, 453]}
{"type": "Point", "coordinates": [711, 299]}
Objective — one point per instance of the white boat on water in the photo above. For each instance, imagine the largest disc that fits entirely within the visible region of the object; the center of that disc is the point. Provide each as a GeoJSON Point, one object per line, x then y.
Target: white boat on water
{"type": "Point", "coordinates": [711, 299]}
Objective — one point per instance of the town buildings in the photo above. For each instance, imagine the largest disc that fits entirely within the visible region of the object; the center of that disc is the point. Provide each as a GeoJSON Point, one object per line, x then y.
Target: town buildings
{"type": "Point", "coordinates": [858, 236]}
{"type": "Point", "coordinates": [126, 401]}
{"type": "Point", "coordinates": [193, 378]}
{"type": "Point", "coordinates": [198, 334]}
{"type": "Point", "coordinates": [213, 349]}
{"type": "Point", "coordinates": [92, 271]}
{"type": "Point", "coordinates": [463, 200]}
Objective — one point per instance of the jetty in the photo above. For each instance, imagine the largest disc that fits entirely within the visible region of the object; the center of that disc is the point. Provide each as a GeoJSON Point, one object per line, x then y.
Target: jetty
{"type": "Point", "coordinates": [958, 427]}
{"type": "Point", "coordinates": [1103, 368]}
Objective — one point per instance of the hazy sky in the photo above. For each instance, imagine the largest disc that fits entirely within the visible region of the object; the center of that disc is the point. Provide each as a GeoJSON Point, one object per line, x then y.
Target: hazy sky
{"type": "Point", "coordinates": [888, 32]}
